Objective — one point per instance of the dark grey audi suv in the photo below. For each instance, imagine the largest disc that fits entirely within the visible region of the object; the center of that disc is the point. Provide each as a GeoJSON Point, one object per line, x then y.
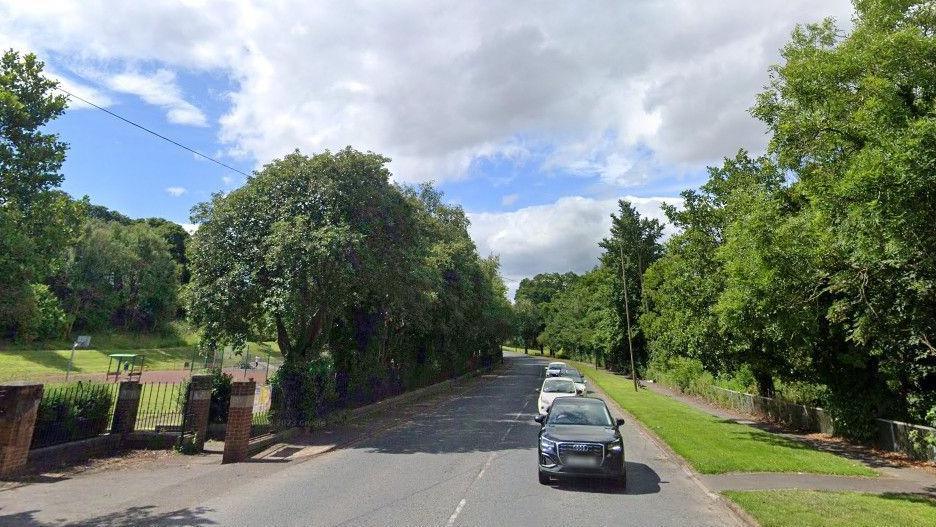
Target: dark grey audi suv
{"type": "Point", "coordinates": [580, 439]}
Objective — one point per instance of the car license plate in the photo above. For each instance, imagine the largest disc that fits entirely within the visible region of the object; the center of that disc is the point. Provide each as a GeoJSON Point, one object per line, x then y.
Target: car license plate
{"type": "Point", "coordinates": [581, 461]}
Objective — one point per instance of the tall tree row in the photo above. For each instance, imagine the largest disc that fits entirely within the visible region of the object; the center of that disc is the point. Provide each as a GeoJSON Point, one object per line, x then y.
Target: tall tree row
{"type": "Point", "coordinates": [816, 261]}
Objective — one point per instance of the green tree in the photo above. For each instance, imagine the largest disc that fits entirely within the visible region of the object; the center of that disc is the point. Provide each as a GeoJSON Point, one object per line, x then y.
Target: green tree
{"type": "Point", "coordinates": [177, 238]}
{"type": "Point", "coordinates": [527, 323]}
{"type": "Point", "coordinates": [539, 291]}
{"type": "Point", "coordinates": [851, 115]}
{"type": "Point", "coordinates": [582, 319]}
{"type": "Point", "coordinates": [36, 221]}
{"type": "Point", "coordinates": [119, 276]}
{"type": "Point", "coordinates": [634, 244]}
{"type": "Point", "coordinates": [298, 241]}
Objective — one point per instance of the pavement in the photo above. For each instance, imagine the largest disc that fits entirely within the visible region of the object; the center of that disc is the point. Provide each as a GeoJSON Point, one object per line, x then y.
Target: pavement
{"type": "Point", "coordinates": [463, 458]}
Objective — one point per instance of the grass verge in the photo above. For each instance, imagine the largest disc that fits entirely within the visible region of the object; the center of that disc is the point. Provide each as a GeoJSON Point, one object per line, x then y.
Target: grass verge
{"type": "Point", "coordinates": [809, 508]}
{"type": "Point", "coordinates": [713, 445]}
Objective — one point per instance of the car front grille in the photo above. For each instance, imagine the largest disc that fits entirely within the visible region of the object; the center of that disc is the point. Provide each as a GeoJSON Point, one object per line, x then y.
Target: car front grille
{"type": "Point", "coordinates": [581, 449]}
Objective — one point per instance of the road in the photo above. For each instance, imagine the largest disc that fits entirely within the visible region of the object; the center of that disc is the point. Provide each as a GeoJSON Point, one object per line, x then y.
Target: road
{"type": "Point", "coordinates": [466, 460]}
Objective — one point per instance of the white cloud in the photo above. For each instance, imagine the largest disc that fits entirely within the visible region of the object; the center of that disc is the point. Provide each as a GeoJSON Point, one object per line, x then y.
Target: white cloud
{"type": "Point", "coordinates": [190, 227]}
{"type": "Point", "coordinates": [176, 191]}
{"type": "Point", "coordinates": [227, 180]}
{"type": "Point", "coordinates": [436, 85]}
{"type": "Point", "coordinates": [159, 89]}
{"type": "Point", "coordinates": [82, 90]}
{"type": "Point", "coordinates": [509, 199]}
{"type": "Point", "coordinates": [561, 236]}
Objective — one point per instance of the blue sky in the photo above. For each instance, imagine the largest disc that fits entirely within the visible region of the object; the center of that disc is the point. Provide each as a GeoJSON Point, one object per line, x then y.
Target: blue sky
{"type": "Point", "coordinates": [535, 118]}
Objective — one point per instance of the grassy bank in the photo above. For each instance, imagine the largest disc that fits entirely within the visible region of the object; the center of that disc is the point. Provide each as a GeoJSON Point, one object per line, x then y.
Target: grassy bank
{"type": "Point", "coordinates": [713, 445]}
{"type": "Point", "coordinates": [799, 508]}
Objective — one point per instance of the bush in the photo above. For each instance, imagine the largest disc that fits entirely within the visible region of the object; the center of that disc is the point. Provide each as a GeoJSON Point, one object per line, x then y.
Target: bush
{"type": "Point", "coordinates": [801, 392]}
{"type": "Point", "coordinates": [853, 414]}
{"type": "Point", "coordinates": [681, 372]}
{"type": "Point", "coordinates": [301, 394]}
{"type": "Point", "coordinates": [220, 396]}
{"type": "Point", "coordinates": [741, 380]}
{"type": "Point", "coordinates": [40, 314]}
{"type": "Point", "coordinates": [74, 412]}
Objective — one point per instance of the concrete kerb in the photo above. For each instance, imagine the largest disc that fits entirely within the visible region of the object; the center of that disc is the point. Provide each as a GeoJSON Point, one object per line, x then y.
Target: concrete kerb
{"type": "Point", "coordinates": [648, 434]}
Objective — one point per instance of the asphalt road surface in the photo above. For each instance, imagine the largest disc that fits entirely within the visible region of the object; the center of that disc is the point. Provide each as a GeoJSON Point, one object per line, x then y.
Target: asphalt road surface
{"type": "Point", "coordinates": [470, 461]}
{"type": "Point", "coordinates": [465, 459]}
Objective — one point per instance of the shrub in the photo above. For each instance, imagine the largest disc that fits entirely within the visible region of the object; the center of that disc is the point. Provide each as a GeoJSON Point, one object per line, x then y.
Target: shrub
{"type": "Point", "coordinates": [683, 372]}
{"type": "Point", "coordinates": [741, 380]}
{"type": "Point", "coordinates": [74, 412]}
{"type": "Point", "coordinates": [220, 396]}
{"type": "Point", "coordinates": [311, 387]}
{"type": "Point", "coordinates": [801, 392]}
{"type": "Point", "coordinates": [40, 314]}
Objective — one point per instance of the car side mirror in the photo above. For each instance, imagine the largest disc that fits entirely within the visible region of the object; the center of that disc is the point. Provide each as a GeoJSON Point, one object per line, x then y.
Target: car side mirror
{"type": "Point", "coordinates": [540, 418]}
{"type": "Point", "coordinates": [619, 421]}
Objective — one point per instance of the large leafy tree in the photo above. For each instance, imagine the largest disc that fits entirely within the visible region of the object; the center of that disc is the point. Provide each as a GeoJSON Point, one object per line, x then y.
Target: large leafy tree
{"type": "Point", "coordinates": [853, 117]}
{"type": "Point", "coordinates": [299, 242]}
{"type": "Point", "coordinates": [527, 323]}
{"type": "Point", "coordinates": [36, 221]}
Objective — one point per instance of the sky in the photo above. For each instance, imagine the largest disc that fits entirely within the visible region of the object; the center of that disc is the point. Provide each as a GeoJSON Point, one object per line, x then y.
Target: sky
{"type": "Point", "coordinates": [536, 117]}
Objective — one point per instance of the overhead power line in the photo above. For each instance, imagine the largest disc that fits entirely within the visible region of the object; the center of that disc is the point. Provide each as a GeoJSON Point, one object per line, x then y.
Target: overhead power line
{"type": "Point", "coordinates": [157, 134]}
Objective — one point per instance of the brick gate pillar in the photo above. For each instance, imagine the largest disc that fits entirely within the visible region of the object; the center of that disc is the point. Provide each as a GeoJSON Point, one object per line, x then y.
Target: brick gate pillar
{"type": "Point", "coordinates": [240, 414]}
{"type": "Point", "coordinates": [126, 409]}
{"type": "Point", "coordinates": [19, 403]}
{"type": "Point", "coordinates": [196, 411]}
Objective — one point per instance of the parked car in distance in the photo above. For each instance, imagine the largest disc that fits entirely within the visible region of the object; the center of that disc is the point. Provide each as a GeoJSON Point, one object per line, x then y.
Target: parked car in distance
{"type": "Point", "coordinates": [554, 388]}
{"type": "Point", "coordinates": [555, 369]}
{"type": "Point", "coordinates": [577, 378]}
{"type": "Point", "coordinates": [579, 438]}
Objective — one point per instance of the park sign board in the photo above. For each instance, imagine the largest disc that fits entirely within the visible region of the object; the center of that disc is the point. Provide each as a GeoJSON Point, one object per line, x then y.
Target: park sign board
{"type": "Point", "coordinates": [83, 341]}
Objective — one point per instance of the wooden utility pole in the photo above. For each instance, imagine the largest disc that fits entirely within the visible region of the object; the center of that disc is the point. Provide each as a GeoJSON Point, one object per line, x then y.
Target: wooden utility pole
{"type": "Point", "coordinates": [630, 345]}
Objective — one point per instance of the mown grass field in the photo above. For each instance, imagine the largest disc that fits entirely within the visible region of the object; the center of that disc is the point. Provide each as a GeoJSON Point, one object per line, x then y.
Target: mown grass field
{"type": "Point", "coordinates": [47, 359]}
{"type": "Point", "coordinates": [713, 445]}
{"type": "Point", "coordinates": [798, 508]}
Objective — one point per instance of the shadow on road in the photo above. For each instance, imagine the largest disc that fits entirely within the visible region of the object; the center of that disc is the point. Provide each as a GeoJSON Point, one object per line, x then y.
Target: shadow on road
{"type": "Point", "coordinates": [131, 517]}
{"type": "Point", "coordinates": [493, 415]}
{"type": "Point", "coordinates": [641, 479]}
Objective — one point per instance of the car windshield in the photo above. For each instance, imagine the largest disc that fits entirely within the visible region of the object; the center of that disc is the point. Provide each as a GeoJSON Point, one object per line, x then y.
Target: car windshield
{"type": "Point", "coordinates": [574, 375]}
{"type": "Point", "coordinates": [559, 386]}
{"type": "Point", "coordinates": [579, 414]}
{"type": "Point", "coordinates": [556, 366]}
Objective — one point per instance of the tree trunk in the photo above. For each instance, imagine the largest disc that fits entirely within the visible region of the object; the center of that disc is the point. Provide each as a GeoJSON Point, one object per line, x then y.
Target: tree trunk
{"type": "Point", "coordinates": [282, 339]}
{"type": "Point", "coordinates": [765, 383]}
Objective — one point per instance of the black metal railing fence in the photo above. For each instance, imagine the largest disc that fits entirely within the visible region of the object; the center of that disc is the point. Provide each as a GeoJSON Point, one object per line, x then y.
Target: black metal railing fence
{"type": "Point", "coordinates": [75, 411]}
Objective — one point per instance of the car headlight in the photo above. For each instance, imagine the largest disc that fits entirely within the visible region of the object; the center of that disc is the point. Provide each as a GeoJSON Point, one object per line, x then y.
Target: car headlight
{"type": "Point", "coordinates": [616, 447]}
{"type": "Point", "coordinates": [547, 446]}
